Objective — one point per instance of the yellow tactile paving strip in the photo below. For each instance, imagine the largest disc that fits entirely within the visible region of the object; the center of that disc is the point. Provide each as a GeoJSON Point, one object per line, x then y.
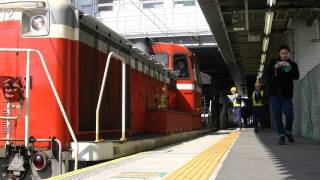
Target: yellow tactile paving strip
{"type": "Point", "coordinates": [90, 168]}
{"type": "Point", "coordinates": [202, 166]}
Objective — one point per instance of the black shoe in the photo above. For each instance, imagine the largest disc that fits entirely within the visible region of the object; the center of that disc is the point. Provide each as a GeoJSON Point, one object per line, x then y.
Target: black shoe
{"type": "Point", "coordinates": [290, 138]}
{"type": "Point", "coordinates": [256, 130]}
{"type": "Point", "coordinates": [282, 140]}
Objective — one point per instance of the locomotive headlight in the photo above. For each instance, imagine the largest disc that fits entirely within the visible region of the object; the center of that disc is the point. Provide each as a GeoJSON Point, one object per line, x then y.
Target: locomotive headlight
{"type": "Point", "coordinates": [35, 22]}
{"type": "Point", "coordinates": [38, 23]}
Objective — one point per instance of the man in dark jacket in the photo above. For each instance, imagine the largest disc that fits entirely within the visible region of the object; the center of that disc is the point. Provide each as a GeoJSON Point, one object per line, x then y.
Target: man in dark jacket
{"type": "Point", "coordinates": [280, 74]}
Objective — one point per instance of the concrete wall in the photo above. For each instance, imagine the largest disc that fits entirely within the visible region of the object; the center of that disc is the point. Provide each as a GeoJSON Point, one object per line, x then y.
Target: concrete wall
{"type": "Point", "coordinates": [306, 52]}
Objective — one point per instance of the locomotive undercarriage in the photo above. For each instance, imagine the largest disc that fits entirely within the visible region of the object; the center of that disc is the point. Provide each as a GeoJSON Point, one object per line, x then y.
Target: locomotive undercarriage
{"type": "Point", "coordinates": [17, 160]}
{"type": "Point", "coordinates": [17, 163]}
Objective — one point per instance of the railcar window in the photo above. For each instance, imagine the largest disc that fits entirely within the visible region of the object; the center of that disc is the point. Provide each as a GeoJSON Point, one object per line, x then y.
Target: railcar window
{"type": "Point", "coordinates": [180, 66]}
{"type": "Point", "coordinates": [162, 58]}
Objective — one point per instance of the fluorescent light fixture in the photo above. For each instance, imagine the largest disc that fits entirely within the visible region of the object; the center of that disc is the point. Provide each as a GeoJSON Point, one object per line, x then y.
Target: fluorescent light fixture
{"type": "Point", "coordinates": [209, 44]}
{"type": "Point", "coordinates": [189, 44]}
{"type": "Point", "coordinates": [259, 76]}
{"type": "Point", "coordinates": [239, 28]}
{"type": "Point", "coordinates": [271, 2]}
{"type": "Point", "coordinates": [268, 22]}
{"type": "Point", "coordinates": [261, 68]}
{"type": "Point", "coordinates": [289, 23]}
{"type": "Point", "coordinates": [199, 44]}
{"type": "Point", "coordinates": [263, 58]}
{"type": "Point", "coordinates": [265, 44]}
{"type": "Point", "coordinates": [254, 37]}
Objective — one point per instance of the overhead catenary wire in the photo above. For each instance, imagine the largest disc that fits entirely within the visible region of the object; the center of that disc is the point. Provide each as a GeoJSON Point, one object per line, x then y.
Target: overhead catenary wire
{"type": "Point", "coordinates": [142, 12]}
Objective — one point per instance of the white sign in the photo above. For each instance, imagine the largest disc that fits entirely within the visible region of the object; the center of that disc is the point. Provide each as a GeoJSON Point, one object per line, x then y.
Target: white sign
{"type": "Point", "coordinates": [6, 14]}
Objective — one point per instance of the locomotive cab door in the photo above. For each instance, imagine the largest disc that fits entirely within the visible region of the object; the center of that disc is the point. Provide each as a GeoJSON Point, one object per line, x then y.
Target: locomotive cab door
{"type": "Point", "coordinates": [182, 67]}
{"type": "Point", "coordinates": [197, 83]}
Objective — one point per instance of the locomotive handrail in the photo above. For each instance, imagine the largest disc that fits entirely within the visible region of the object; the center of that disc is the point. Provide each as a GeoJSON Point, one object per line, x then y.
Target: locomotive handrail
{"type": "Point", "coordinates": [59, 151]}
{"type": "Point", "coordinates": [26, 138]}
{"type": "Point", "coordinates": [118, 57]}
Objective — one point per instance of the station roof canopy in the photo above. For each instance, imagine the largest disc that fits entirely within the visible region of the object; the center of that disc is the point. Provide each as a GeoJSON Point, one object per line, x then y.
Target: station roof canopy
{"type": "Point", "coordinates": [239, 29]}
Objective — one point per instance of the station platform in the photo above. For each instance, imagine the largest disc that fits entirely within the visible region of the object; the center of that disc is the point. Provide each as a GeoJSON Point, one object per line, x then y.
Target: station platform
{"type": "Point", "coordinates": [227, 154]}
{"type": "Point", "coordinates": [258, 156]}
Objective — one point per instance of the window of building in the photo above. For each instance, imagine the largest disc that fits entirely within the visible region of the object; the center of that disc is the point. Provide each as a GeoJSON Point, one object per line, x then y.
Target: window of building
{"type": "Point", "coordinates": [147, 4]}
{"type": "Point", "coordinates": [184, 2]}
{"type": "Point", "coordinates": [85, 2]}
{"type": "Point", "coordinates": [105, 5]}
{"type": "Point", "coordinates": [86, 9]}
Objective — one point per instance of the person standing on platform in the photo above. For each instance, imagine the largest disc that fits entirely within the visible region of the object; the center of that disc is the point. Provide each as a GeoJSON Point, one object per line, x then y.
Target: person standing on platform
{"type": "Point", "coordinates": [280, 74]}
{"type": "Point", "coordinates": [258, 101]}
{"type": "Point", "coordinates": [245, 112]}
{"type": "Point", "coordinates": [236, 99]}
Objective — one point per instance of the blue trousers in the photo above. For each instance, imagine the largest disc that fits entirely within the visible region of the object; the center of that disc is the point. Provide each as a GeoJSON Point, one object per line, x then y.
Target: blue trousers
{"type": "Point", "coordinates": [237, 115]}
{"type": "Point", "coordinates": [280, 104]}
{"type": "Point", "coordinates": [258, 115]}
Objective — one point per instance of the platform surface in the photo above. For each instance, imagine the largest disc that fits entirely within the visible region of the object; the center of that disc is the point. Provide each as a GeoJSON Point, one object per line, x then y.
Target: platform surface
{"type": "Point", "coordinates": [155, 164]}
{"type": "Point", "coordinates": [223, 155]}
{"type": "Point", "coordinates": [258, 156]}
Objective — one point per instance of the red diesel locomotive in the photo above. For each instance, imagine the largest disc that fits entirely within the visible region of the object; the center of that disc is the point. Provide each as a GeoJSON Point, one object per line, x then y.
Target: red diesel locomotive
{"type": "Point", "coordinates": [66, 78]}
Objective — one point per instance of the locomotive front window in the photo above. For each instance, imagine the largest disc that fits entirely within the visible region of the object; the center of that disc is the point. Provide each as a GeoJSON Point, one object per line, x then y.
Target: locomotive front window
{"type": "Point", "coordinates": [180, 66]}
{"type": "Point", "coordinates": [162, 58]}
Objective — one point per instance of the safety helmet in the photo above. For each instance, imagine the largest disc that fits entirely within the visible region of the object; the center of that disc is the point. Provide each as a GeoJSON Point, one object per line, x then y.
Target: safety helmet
{"type": "Point", "coordinates": [233, 89]}
{"type": "Point", "coordinates": [257, 84]}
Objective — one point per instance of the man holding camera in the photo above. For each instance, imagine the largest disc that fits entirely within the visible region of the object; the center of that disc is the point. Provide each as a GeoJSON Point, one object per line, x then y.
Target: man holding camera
{"type": "Point", "coordinates": [280, 74]}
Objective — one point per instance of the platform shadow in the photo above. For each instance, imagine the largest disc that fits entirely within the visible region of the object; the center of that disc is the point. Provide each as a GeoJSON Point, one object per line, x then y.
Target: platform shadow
{"type": "Point", "coordinates": [300, 160]}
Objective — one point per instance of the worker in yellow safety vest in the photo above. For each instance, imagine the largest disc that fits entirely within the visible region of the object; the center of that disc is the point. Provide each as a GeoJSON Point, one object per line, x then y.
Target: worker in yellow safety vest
{"type": "Point", "coordinates": [258, 98]}
{"type": "Point", "coordinates": [236, 100]}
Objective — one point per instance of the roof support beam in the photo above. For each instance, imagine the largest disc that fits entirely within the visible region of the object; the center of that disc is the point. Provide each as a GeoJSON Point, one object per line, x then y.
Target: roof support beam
{"type": "Point", "coordinates": [213, 14]}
